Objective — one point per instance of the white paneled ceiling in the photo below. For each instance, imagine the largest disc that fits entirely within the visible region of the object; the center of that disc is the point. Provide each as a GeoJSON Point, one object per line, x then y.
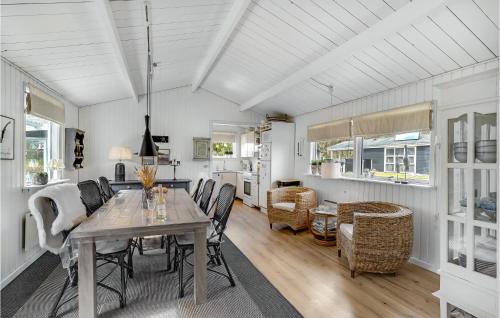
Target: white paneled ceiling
{"type": "Point", "coordinates": [67, 45]}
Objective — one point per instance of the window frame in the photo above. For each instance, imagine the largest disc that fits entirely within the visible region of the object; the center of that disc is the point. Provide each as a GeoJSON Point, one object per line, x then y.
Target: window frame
{"type": "Point", "coordinates": [358, 162]}
{"type": "Point", "coordinates": [59, 153]}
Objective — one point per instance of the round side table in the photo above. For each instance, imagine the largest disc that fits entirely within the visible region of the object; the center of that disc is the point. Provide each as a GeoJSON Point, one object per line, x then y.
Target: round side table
{"type": "Point", "coordinates": [322, 223]}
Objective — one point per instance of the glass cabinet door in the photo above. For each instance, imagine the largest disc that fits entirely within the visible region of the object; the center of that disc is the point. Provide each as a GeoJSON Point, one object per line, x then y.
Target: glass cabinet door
{"type": "Point", "coordinates": [457, 192]}
{"type": "Point", "coordinates": [485, 195]}
{"type": "Point", "coordinates": [457, 253]}
{"type": "Point", "coordinates": [485, 143]}
{"type": "Point", "coordinates": [457, 139]}
{"type": "Point", "coordinates": [485, 251]}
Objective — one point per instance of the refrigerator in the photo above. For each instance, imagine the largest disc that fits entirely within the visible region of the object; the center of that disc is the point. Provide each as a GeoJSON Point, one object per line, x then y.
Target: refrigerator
{"type": "Point", "coordinates": [276, 158]}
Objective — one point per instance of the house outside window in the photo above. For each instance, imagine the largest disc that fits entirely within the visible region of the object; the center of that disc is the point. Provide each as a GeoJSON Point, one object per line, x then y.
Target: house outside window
{"type": "Point", "coordinates": [384, 156]}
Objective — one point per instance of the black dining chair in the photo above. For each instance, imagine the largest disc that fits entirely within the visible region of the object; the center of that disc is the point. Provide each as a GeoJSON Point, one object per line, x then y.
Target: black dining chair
{"type": "Point", "coordinates": [107, 252]}
{"type": "Point", "coordinates": [206, 195]}
{"type": "Point", "coordinates": [90, 195]}
{"type": "Point", "coordinates": [184, 243]}
{"type": "Point", "coordinates": [91, 198]}
{"type": "Point", "coordinates": [106, 190]}
{"type": "Point", "coordinates": [196, 194]}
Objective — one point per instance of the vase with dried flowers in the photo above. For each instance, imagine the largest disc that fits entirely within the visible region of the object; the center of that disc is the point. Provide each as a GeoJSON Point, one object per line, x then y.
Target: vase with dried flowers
{"type": "Point", "coordinates": [146, 175]}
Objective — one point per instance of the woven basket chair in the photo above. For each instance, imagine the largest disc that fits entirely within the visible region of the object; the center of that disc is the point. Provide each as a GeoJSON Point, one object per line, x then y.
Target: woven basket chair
{"type": "Point", "coordinates": [304, 199]}
{"type": "Point", "coordinates": [382, 236]}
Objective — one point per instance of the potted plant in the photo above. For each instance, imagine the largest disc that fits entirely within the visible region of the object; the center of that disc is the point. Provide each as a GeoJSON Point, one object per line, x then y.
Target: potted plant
{"type": "Point", "coordinates": [146, 175]}
{"type": "Point", "coordinates": [40, 178]}
{"type": "Point", "coordinates": [319, 166]}
{"type": "Point", "coordinates": [316, 167]}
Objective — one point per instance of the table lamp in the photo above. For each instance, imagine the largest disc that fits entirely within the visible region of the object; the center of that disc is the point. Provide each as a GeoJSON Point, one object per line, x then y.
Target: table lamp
{"type": "Point", "coordinates": [120, 153]}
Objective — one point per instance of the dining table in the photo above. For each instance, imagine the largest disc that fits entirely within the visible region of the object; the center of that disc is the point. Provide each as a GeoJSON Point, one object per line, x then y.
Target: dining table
{"type": "Point", "coordinates": [123, 217]}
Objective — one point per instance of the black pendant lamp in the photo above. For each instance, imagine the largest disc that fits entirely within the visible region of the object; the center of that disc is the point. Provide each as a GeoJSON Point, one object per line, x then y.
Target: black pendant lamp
{"type": "Point", "coordinates": [148, 147]}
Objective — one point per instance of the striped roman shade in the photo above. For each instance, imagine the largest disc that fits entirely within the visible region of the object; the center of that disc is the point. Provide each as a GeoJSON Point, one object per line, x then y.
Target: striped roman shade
{"type": "Point", "coordinates": [417, 117]}
{"type": "Point", "coordinates": [338, 129]}
{"type": "Point", "coordinates": [43, 105]}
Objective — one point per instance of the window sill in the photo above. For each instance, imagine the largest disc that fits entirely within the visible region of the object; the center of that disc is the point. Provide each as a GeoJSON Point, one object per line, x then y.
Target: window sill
{"type": "Point", "coordinates": [31, 187]}
{"type": "Point", "coordinates": [411, 185]}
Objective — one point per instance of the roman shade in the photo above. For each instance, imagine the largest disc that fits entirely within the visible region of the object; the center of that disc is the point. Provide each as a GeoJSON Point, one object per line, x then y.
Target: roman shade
{"type": "Point", "coordinates": [338, 129]}
{"type": "Point", "coordinates": [417, 117]}
{"type": "Point", "coordinates": [226, 137]}
{"type": "Point", "coordinates": [43, 105]}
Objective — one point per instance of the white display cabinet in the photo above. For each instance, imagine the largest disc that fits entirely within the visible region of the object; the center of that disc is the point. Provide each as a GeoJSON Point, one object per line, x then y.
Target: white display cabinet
{"type": "Point", "coordinates": [468, 191]}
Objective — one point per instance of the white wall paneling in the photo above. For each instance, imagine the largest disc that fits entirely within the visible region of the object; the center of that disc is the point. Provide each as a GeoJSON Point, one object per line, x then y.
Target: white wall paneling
{"type": "Point", "coordinates": [14, 202]}
{"type": "Point", "coordinates": [178, 113]}
{"type": "Point", "coordinates": [422, 200]}
{"type": "Point", "coordinates": [68, 45]}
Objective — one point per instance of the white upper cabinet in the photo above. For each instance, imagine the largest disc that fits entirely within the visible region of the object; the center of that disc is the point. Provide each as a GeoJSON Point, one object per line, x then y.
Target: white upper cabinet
{"type": "Point", "coordinates": [247, 144]}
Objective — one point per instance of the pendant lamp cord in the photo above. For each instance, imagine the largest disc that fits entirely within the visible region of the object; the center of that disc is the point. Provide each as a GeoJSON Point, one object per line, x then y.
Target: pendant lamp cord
{"type": "Point", "coordinates": [148, 68]}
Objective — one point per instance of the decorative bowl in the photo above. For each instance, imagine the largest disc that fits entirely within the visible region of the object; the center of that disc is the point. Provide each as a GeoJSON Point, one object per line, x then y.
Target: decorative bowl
{"type": "Point", "coordinates": [486, 151]}
{"type": "Point", "coordinates": [460, 151]}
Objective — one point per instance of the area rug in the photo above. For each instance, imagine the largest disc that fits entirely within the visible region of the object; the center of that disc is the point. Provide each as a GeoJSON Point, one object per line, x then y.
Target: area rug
{"type": "Point", "coordinates": [153, 292]}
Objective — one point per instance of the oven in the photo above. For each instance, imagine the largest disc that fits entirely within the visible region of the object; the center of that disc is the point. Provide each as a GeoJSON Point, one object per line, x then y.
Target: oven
{"type": "Point", "coordinates": [249, 189]}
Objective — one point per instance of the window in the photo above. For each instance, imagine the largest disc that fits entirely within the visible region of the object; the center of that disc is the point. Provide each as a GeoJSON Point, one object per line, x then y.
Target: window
{"type": "Point", "coordinates": [224, 150]}
{"type": "Point", "coordinates": [337, 150]}
{"type": "Point", "coordinates": [392, 145]}
{"type": "Point", "coordinates": [42, 144]}
{"type": "Point", "coordinates": [387, 157]}
{"type": "Point", "coordinates": [380, 157]}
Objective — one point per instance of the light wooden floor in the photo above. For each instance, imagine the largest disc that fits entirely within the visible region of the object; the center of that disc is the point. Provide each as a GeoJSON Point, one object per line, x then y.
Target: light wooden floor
{"type": "Point", "coordinates": [318, 283]}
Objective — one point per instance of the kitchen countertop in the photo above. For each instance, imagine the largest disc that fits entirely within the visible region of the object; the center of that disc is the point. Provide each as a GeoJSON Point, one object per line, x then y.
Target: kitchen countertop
{"type": "Point", "coordinates": [235, 171]}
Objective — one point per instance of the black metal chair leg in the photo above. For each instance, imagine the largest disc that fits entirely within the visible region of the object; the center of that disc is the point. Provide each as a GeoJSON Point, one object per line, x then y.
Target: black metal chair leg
{"type": "Point", "coordinates": [130, 269]}
{"type": "Point", "coordinates": [176, 255]}
{"type": "Point", "coordinates": [55, 307]}
{"type": "Point", "coordinates": [217, 258]}
{"type": "Point", "coordinates": [162, 241]}
{"type": "Point", "coordinates": [141, 250]}
{"type": "Point", "coordinates": [181, 274]}
{"type": "Point", "coordinates": [230, 277]}
{"type": "Point", "coordinates": [167, 250]}
{"type": "Point", "coordinates": [123, 277]}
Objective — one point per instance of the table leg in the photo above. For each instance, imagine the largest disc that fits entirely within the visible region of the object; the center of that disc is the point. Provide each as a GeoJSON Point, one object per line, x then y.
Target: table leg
{"type": "Point", "coordinates": [87, 290]}
{"type": "Point", "coordinates": [200, 266]}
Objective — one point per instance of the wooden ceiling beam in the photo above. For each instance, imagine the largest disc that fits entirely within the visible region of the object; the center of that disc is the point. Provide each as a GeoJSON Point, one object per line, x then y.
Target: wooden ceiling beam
{"type": "Point", "coordinates": [395, 22]}
{"type": "Point", "coordinates": [233, 18]}
{"type": "Point", "coordinates": [104, 8]}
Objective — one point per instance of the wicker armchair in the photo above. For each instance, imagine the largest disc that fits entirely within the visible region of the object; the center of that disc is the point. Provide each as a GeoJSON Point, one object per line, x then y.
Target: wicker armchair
{"type": "Point", "coordinates": [296, 203]}
{"type": "Point", "coordinates": [375, 237]}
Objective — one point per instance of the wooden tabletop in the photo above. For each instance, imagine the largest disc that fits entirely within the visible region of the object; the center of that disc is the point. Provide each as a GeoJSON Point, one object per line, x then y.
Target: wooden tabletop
{"type": "Point", "coordinates": [123, 217]}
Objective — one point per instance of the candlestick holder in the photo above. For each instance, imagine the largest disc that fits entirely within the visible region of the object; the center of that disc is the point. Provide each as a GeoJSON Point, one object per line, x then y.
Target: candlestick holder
{"type": "Point", "coordinates": [175, 163]}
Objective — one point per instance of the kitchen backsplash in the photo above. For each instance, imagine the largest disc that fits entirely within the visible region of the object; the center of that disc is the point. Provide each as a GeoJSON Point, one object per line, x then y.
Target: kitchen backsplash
{"type": "Point", "coordinates": [231, 164]}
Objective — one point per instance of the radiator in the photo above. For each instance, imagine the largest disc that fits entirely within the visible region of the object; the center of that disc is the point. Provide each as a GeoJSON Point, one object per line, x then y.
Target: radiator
{"type": "Point", "coordinates": [30, 237]}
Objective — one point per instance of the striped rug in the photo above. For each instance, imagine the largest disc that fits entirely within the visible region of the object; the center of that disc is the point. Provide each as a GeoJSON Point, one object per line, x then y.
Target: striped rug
{"type": "Point", "coordinates": [153, 292]}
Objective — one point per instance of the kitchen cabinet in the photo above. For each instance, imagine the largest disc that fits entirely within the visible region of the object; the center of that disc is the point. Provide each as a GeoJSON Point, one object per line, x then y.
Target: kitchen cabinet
{"type": "Point", "coordinates": [239, 185]}
{"type": "Point", "coordinates": [221, 178]}
{"type": "Point", "coordinates": [247, 145]}
{"type": "Point", "coordinates": [468, 197]}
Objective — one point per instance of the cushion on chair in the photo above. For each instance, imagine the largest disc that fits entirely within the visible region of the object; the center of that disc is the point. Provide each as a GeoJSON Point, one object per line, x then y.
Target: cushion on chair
{"type": "Point", "coordinates": [188, 238]}
{"type": "Point", "coordinates": [347, 230]}
{"type": "Point", "coordinates": [107, 247]}
{"type": "Point", "coordinates": [285, 206]}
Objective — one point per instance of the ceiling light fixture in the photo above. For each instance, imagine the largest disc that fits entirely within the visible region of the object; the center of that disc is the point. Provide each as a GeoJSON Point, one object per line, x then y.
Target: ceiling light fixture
{"type": "Point", "coordinates": [148, 147]}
